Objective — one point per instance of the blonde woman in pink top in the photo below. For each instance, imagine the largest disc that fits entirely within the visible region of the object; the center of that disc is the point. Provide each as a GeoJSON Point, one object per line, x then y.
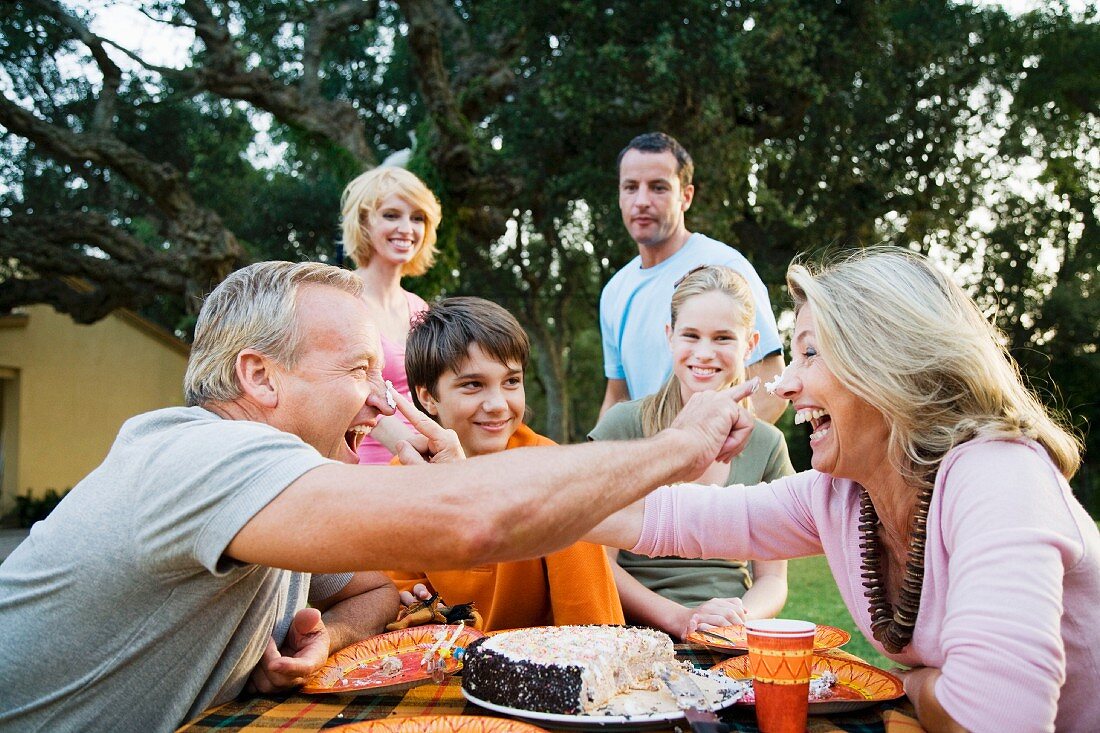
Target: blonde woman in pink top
{"type": "Point", "coordinates": [389, 222]}
{"type": "Point", "coordinates": [939, 495]}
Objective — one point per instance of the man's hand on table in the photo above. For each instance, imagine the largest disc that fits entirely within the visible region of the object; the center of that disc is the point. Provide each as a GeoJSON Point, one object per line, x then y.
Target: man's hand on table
{"type": "Point", "coordinates": [431, 443]}
{"type": "Point", "coordinates": [304, 652]}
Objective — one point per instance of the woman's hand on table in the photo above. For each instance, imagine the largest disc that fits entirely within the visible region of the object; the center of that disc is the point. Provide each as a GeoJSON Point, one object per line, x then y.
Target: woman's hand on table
{"type": "Point", "coordinates": [305, 651]}
{"type": "Point", "coordinates": [431, 443]}
{"type": "Point", "coordinates": [713, 613]}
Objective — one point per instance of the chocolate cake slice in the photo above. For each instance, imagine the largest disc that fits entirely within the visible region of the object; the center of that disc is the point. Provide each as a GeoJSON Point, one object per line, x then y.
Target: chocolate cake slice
{"type": "Point", "coordinates": [564, 669]}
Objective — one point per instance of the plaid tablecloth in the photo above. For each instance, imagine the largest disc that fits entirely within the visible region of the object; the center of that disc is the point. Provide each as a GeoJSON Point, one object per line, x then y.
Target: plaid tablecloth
{"type": "Point", "coordinates": [316, 712]}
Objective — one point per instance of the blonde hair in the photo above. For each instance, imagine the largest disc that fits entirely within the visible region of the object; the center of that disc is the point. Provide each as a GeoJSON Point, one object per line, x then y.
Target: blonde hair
{"type": "Point", "coordinates": [359, 206]}
{"type": "Point", "coordinates": [901, 335]}
{"type": "Point", "coordinates": [661, 408]}
{"type": "Point", "coordinates": [253, 308]}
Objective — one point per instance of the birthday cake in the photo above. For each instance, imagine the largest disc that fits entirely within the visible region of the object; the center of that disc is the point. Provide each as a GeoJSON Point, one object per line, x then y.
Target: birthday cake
{"type": "Point", "coordinates": [564, 669]}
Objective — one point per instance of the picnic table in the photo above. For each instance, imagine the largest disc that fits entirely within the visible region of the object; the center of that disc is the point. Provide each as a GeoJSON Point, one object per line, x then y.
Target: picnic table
{"type": "Point", "coordinates": [298, 712]}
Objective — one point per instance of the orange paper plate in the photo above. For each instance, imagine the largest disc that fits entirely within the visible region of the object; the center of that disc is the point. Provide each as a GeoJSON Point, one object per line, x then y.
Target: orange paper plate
{"type": "Point", "coordinates": [440, 724]}
{"type": "Point", "coordinates": [365, 667]}
{"type": "Point", "coordinates": [826, 637]}
{"type": "Point", "coordinates": [857, 683]}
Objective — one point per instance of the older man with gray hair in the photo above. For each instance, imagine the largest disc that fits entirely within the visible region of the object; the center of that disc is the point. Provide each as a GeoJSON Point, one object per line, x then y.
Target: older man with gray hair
{"type": "Point", "coordinates": [180, 568]}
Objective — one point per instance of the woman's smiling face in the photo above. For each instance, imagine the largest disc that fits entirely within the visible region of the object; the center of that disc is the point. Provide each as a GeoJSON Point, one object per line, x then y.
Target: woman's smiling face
{"type": "Point", "coordinates": [850, 438]}
{"type": "Point", "coordinates": [397, 229]}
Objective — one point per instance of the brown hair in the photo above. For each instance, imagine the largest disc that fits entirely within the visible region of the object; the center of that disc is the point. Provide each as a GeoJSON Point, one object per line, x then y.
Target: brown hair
{"type": "Point", "coordinates": [659, 142]}
{"type": "Point", "coordinates": [441, 337]}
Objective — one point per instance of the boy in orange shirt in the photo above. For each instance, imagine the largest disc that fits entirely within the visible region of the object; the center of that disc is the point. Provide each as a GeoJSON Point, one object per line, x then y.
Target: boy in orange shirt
{"type": "Point", "coordinates": [465, 359]}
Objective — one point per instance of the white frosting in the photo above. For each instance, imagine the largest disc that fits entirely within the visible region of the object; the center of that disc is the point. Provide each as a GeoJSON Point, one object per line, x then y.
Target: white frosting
{"type": "Point", "coordinates": [821, 688]}
{"type": "Point", "coordinates": [612, 659]}
{"type": "Point", "coordinates": [773, 385]}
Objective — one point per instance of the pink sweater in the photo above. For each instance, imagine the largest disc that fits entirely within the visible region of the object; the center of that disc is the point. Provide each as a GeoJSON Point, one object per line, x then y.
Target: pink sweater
{"type": "Point", "coordinates": [1010, 611]}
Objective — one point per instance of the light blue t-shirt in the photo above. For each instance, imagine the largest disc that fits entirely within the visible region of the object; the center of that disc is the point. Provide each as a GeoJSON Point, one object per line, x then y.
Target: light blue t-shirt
{"type": "Point", "coordinates": [635, 308]}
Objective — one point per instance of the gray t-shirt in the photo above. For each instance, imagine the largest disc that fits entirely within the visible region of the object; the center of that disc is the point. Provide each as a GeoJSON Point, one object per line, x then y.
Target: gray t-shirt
{"type": "Point", "coordinates": [119, 611]}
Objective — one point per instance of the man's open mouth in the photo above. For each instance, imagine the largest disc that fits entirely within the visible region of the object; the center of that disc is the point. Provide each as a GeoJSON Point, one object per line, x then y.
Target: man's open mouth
{"type": "Point", "coordinates": [354, 436]}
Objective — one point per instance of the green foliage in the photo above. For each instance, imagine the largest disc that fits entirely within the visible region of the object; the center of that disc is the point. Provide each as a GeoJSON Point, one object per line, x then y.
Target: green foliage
{"type": "Point", "coordinates": [1041, 257]}
{"type": "Point", "coordinates": [814, 125]}
{"type": "Point", "coordinates": [30, 508]}
{"type": "Point", "coordinates": [814, 597]}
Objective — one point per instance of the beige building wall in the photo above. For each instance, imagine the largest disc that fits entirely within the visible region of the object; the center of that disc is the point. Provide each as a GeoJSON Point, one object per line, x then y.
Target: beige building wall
{"type": "Point", "coordinates": [65, 389]}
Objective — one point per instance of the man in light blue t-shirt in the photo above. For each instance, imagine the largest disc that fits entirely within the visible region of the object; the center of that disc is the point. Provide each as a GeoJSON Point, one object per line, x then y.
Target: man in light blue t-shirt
{"type": "Point", "coordinates": [655, 191]}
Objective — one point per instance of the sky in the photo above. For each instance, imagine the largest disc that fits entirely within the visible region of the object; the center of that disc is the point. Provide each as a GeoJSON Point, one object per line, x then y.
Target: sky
{"type": "Point", "coordinates": [122, 22]}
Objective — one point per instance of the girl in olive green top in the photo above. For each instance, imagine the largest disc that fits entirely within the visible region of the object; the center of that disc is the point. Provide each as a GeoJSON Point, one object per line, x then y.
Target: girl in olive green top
{"type": "Point", "coordinates": [710, 335]}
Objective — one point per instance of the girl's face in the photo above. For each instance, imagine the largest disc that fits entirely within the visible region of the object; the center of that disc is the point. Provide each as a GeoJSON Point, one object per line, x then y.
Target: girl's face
{"type": "Point", "coordinates": [397, 230]}
{"type": "Point", "coordinates": [709, 343]}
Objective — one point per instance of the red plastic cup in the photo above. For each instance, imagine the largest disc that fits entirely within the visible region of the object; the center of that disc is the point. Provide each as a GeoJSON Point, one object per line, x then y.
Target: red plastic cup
{"type": "Point", "coordinates": [780, 658]}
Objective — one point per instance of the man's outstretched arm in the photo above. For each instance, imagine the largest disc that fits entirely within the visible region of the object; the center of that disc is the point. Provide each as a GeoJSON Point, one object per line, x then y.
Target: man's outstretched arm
{"type": "Point", "coordinates": [511, 505]}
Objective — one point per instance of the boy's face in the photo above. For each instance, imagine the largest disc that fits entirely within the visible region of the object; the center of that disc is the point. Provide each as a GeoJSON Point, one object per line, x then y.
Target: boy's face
{"type": "Point", "coordinates": [483, 402]}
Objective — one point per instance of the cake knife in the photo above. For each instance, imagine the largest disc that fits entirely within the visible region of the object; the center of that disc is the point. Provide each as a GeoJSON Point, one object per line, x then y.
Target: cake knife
{"type": "Point", "coordinates": [692, 702]}
{"type": "Point", "coordinates": [715, 636]}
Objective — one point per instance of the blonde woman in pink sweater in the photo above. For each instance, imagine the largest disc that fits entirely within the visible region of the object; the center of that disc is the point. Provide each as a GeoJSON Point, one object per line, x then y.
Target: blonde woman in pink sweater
{"type": "Point", "coordinates": [938, 494]}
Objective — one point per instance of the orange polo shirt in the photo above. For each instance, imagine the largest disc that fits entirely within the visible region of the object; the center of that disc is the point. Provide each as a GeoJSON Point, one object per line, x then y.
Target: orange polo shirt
{"type": "Point", "coordinates": [571, 586]}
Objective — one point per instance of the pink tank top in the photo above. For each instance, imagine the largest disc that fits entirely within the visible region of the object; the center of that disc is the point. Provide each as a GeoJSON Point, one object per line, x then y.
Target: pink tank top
{"type": "Point", "coordinates": [370, 450]}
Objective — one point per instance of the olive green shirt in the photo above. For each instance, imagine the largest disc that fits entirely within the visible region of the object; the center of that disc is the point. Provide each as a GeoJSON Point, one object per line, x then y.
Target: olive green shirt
{"type": "Point", "coordinates": [691, 582]}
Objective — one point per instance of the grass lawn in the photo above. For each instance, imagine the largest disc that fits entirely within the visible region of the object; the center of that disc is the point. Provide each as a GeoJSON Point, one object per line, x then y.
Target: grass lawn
{"type": "Point", "coordinates": [814, 597]}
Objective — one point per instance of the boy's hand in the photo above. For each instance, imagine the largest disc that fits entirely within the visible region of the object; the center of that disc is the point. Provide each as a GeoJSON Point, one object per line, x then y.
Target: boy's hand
{"type": "Point", "coordinates": [432, 443]}
{"type": "Point", "coordinates": [419, 592]}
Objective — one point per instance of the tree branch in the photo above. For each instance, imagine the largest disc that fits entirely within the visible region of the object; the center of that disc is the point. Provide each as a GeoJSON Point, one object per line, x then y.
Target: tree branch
{"type": "Point", "coordinates": [107, 102]}
{"type": "Point", "coordinates": [212, 251]}
{"type": "Point", "coordinates": [302, 106]}
{"type": "Point", "coordinates": [482, 196]}
{"type": "Point", "coordinates": [87, 288]}
{"type": "Point", "coordinates": [187, 75]}
{"type": "Point", "coordinates": [426, 19]}
{"type": "Point", "coordinates": [166, 21]}
{"type": "Point", "coordinates": [160, 181]}
{"type": "Point", "coordinates": [320, 29]}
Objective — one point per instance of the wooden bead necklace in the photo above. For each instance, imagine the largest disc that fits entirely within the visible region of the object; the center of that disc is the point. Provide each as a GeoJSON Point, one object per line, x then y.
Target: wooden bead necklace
{"type": "Point", "coordinates": [892, 626]}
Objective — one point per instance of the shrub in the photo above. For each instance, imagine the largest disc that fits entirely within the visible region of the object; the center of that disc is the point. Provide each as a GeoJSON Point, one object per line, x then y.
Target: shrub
{"type": "Point", "coordinates": [30, 508]}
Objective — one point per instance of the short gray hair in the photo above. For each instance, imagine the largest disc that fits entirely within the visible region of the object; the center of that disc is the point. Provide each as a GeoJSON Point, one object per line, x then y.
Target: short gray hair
{"type": "Point", "coordinates": [253, 308]}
